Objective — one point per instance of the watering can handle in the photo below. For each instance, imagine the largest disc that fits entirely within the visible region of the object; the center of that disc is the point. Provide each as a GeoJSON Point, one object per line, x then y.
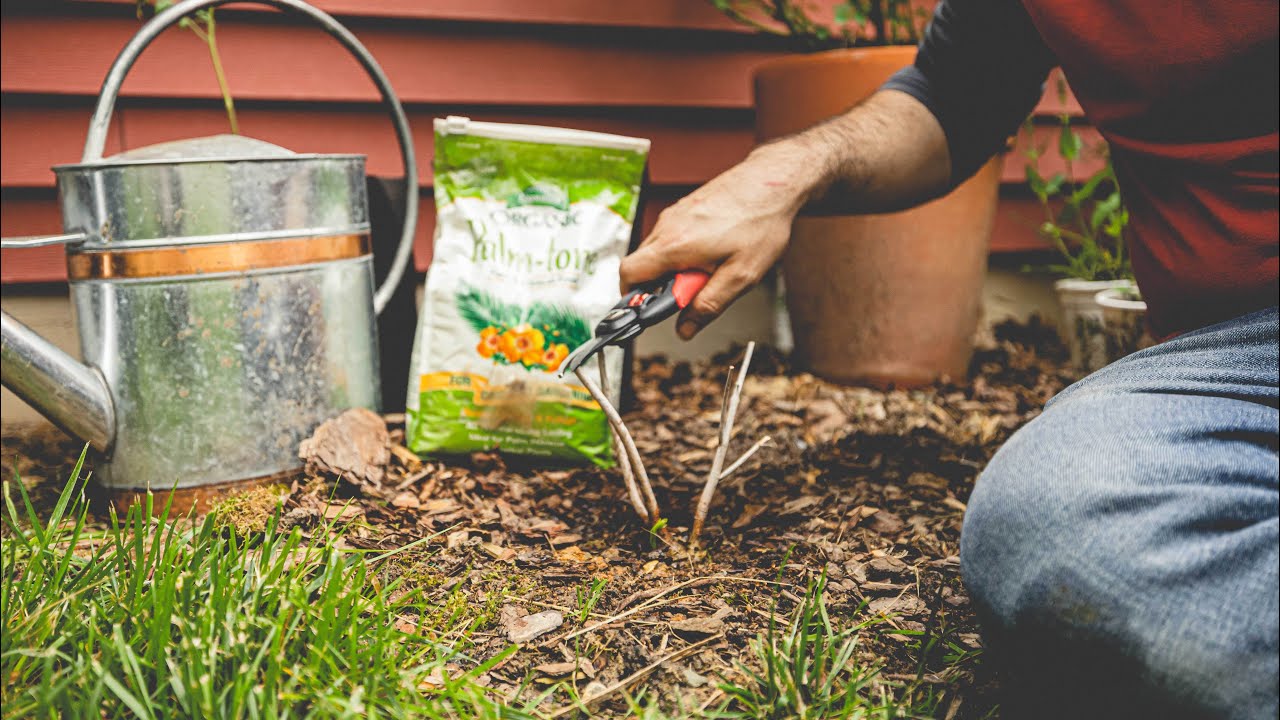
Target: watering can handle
{"type": "Point", "coordinates": [96, 140]}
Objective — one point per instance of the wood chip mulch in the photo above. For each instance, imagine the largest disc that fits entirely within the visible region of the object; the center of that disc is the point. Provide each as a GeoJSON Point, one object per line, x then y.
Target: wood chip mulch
{"type": "Point", "coordinates": [869, 486]}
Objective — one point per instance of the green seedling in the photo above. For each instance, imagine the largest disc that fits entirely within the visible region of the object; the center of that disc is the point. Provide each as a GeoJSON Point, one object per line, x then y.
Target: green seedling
{"type": "Point", "coordinates": [655, 533]}
{"type": "Point", "coordinates": [588, 597]}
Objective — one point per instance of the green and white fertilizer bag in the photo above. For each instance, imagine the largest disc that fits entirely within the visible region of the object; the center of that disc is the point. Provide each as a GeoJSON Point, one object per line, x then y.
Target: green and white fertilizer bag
{"type": "Point", "coordinates": [531, 225]}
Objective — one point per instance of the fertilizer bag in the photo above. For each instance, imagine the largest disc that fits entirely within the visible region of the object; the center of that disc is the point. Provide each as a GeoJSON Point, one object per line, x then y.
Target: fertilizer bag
{"type": "Point", "coordinates": [531, 225]}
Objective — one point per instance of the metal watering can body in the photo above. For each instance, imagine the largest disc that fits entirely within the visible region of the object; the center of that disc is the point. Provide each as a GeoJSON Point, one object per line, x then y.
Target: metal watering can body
{"type": "Point", "coordinates": [224, 295]}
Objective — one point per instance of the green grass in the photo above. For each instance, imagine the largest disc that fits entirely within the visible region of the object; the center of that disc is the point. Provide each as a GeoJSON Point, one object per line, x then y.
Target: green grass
{"type": "Point", "coordinates": [171, 618]}
{"type": "Point", "coordinates": [809, 669]}
{"type": "Point", "coordinates": [156, 618]}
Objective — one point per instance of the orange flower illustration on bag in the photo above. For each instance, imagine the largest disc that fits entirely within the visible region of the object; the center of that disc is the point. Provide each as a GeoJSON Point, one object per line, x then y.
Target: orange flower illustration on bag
{"type": "Point", "coordinates": [519, 341]}
{"type": "Point", "coordinates": [538, 337]}
{"type": "Point", "coordinates": [551, 357]}
{"type": "Point", "coordinates": [489, 342]}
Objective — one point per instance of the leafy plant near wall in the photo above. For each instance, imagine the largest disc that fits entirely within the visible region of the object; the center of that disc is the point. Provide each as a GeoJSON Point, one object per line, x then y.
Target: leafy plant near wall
{"type": "Point", "coordinates": [1087, 221]}
{"type": "Point", "coordinates": [203, 24]}
{"type": "Point", "coordinates": [850, 24]}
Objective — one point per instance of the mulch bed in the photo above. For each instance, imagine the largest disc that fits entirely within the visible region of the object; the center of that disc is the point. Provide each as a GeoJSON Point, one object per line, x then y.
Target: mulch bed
{"type": "Point", "coordinates": [868, 486]}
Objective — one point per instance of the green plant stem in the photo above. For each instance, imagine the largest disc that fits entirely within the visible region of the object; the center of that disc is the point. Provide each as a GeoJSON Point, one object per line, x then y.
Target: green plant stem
{"type": "Point", "coordinates": [782, 13]}
{"type": "Point", "coordinates": [738, 16]}
{"type": "Point", "coordinates": [875, 16]}
{"type": "Point", "coordinates": [1076, 237]}
{"type": "Point", "coordinates": [212, 42]}
{"type": "Point", "coordinates": [1072, 186]}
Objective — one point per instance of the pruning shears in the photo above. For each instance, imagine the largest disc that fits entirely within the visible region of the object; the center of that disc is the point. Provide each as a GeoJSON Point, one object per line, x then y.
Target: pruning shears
{"type": "Point", "coordinates": [638, 309]}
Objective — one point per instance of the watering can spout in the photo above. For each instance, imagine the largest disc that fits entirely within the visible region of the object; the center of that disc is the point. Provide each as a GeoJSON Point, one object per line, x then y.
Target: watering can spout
{"type": "Point", "coordinates": [68, 392]}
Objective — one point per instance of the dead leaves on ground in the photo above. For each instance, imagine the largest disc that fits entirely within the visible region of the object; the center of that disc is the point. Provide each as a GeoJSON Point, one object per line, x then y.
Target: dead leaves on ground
{"type": "Point", "coordinates": [865, 485]}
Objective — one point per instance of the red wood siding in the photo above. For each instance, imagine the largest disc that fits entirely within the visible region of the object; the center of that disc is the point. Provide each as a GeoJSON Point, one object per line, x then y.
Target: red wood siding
{"type": "Point", "coordinates": [674, 71]}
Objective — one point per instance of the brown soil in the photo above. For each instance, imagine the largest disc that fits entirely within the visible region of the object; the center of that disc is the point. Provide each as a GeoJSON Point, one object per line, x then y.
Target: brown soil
{"type": "Point", "coordinates": [868, 486]}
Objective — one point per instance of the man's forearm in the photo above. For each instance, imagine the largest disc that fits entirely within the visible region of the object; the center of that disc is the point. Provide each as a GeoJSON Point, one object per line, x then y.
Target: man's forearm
{"type": "Point", "coordinates": [887, 153]}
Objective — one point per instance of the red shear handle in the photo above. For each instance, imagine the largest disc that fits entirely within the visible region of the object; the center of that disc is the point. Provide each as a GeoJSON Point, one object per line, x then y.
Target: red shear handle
{"type": "Point", "coordinates": [687, 285]}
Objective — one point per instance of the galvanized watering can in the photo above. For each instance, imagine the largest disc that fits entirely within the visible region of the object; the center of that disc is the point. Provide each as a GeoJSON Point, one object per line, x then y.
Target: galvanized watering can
{"type": "Point", "coordinates": [223, 291]}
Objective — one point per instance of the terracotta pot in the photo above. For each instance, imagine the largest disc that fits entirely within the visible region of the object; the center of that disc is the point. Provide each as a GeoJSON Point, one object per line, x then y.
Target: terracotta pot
{"type": "Point", "coordinates": [889, 299]}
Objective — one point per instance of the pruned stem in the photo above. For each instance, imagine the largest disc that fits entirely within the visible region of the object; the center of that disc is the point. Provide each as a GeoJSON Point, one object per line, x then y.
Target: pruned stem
{"type": "Point", "coordinates": [745, 456]}
{"type": "Point", "coordinates": [611, 413]}
{"type": "Point", "coordinates": [728, 411]}
{"type": "Point", "coordinates": [619, 452]}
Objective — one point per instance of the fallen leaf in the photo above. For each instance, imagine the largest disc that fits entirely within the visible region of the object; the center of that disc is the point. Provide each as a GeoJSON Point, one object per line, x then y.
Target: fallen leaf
{"type": "Point", "coordinates": [439, 506]}
{"type": "Point", "coordinates": [457, 539]}
{"type": "Point", "coordinates": [508, 613]}
{"type": "Point", "coordinates": [774, 388]}
{"type": "Point", "coordinates": [927, 480]}
{"type": "Point", "coordinates": [655, 567]}
{"type": "Point", "coordinates": [698, 626]}
{"type": "Point", "coordinates": [800, 504]}
{"type": "Point", "coordinates": [530, 627]}
{"type": "Point", "coordinates": [566, 668]}
{"type": "Point", "coordinates": [406, 457]}
{"type": "Point", "coordinates": [573, 554]}
{"type": "Point", "coordinates": [406, 500]}
{"type": "Point", "coordinates": [749, 513]}
{"type": "Point", "coordinates": [885, 523]}
{"type": "Point", "coordinates": [887, 565]}
{"type": "Point", "coordinates": [342, 513]}
{"type": "Point", "coordinates": [593, 688]}
{"type": "Point", "coordinates": [941, 415]}
{"type": "Point", "coordinates": [498, 552]}
{"type": "Point", "coordinates": [825, 419]}
{"type": "Point", "coordinates": [689, 456]}
{"type": "Point", "coordinates": [872, 586]}
{"type": "Point", "coordinates": [541, 526]}
{"type": "Point", "coordinates": [902, 605]}
{"type": "Point", "coordinates": [693, 679]}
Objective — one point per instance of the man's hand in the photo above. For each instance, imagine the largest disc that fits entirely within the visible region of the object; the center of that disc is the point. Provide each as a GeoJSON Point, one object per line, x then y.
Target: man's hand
{"type": "Point", "coordinates": [734, 227]}
{"type": "Point", "coordinates": [886, 154]}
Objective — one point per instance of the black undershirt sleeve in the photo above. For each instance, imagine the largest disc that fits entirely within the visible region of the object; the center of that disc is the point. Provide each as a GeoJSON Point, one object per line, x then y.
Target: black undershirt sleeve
{"type": "Point", "coordinates": [980, 70]}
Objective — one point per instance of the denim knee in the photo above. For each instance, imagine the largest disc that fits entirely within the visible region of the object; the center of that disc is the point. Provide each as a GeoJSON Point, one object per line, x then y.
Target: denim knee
{"type": "Point", "coordinates": [1018, 514]}
{"type": "Point", "coordinates": [1124, 542]}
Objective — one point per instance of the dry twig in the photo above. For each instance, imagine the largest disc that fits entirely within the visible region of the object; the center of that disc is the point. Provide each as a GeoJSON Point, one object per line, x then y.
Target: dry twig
{"type": "Point", "coordinates": [615, 420]}
{"type": "Point", "coordinates": [767, 439]}
{"type": "Point", "coordinates": [677, 655]}
{"type": "Point", "coordinates": [624, 463]}
{"type": "Point", "coordinates": [654, 600]}
{"type": "Point", "coordinates": [728, 411]}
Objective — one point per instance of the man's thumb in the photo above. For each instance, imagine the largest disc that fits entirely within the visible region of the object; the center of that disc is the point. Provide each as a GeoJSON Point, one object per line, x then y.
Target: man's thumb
{"type": "Point", "coordinates": [641, 266]}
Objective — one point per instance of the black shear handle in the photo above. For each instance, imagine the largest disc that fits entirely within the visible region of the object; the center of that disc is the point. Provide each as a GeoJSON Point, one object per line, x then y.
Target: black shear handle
{"type": "Point", "coordinates": [648, 305]}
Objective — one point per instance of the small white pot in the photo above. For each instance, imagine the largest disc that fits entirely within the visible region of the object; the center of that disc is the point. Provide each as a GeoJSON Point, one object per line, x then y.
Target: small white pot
{"type": "Point", "coordinates": [1082, 322]}
{"type": "Point", "coordinates": [1124, 322]}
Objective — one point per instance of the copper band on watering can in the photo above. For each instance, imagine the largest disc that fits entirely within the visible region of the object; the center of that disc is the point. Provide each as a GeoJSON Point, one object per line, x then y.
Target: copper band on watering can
{"type": "Point", "coordinates": [220, 258]}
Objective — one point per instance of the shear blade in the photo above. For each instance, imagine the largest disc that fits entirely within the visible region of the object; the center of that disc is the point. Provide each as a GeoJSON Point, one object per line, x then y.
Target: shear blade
{"type": "Point", "coordinates": [579, 356]}
{"type": "Point", "coordinates": [583, 352]}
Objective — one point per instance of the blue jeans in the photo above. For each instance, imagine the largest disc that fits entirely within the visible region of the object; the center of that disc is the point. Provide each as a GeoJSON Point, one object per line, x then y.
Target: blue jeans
{"type": "Point", "coordinates": [1122, 548]}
